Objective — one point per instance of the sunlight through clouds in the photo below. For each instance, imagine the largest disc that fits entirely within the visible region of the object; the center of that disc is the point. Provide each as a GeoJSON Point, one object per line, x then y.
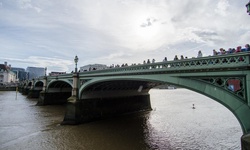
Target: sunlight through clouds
{"type": "Point", "coordinates": [116, 32]}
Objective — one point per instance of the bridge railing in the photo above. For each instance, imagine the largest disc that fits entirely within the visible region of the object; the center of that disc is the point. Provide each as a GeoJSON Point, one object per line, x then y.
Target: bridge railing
{"type": "Point", "coordinates": [203, 63]}
{"type": "Point", "coordinates": [211, 62]}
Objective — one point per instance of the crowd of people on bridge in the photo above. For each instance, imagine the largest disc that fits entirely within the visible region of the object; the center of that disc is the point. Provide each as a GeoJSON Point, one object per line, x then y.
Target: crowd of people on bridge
{"type": "Point", "coordinates": [221, 51]}
{"type": "Point", "coordinates": [232, 50]}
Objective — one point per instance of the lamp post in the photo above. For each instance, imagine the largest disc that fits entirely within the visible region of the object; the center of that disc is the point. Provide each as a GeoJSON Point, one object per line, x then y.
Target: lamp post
{"type": "Point", "coordinates": [76, 60]}
{"type": "Point", "coordinates": [248, 7]}
{"type": "Point", "coordinates": [45, 70]}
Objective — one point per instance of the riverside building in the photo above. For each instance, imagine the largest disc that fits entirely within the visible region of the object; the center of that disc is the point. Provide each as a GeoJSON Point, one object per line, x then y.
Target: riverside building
{"type": "Point", "coordinates": [6, 75]}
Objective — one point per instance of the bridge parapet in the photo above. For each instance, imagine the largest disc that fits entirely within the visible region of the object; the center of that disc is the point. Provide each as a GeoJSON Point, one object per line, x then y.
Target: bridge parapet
{"type": "Point", "coordinates": [229, 61]}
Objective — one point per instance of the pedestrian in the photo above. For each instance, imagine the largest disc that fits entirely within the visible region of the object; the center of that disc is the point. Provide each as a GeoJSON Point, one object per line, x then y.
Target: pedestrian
{"type": "Point", "coordinates": [238, 49]}
{"type": "Point", "coordinates": [182, 57]}
{"type": "Point", "coordinates": [176, 57]}
{"type": "Point", "coordinates": [247, 47]}
{"type": "Point", "coordinates": [153, 60]}
{"type": "Point", "coordinates": [215, 52]}
{"type": "Point", "coordinates": [165, 59]}
{"type": "Point", "coordinates": [199, 54]}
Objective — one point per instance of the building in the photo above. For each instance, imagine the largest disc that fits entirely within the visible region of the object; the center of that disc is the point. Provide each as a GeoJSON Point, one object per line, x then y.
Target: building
{"type": "Point", "coordinates": [6, 75]}
{"type": "Point", "coordinates": [21, 74]}
{"type": "Point", "coordinates": [35, 72]}
{"type": "Point", "coordinates": [56, 73]}
{"type": "Point", "coordinates": [93, 67]}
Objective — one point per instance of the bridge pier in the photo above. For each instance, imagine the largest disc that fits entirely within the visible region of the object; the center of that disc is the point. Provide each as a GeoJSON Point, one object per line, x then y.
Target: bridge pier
{"type": "Point", "coordinates": [20, 89]}
{"type": "Point", "coordinates": [245, 142]}
{"type": "Point", "coordinates": [25, 91]}
{"type": "Point", "coordinates": [86, 110]}
{"type": "Point", "coordinates": [73, 112]}
{"type": "Point", "coordinates": [53, 98]}
{"type": "Point", "coordinates": [34, 93]}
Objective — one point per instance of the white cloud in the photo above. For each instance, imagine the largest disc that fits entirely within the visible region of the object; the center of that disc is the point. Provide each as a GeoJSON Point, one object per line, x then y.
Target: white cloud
{"type": "Point", "coordinates": [27, 4]}
{"type": "Point", "coordinates": [37, 61]}
{"type": "Point", "coordinates": [244, 38]}
{"type": "Point", "coordinates": [111, 32]}
{"type": "Point", "coordinates": [222, 7]}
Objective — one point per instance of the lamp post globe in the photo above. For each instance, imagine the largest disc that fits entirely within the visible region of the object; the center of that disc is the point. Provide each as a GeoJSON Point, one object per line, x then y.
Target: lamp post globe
{"type": "Point", "coordinates": [76, 60]}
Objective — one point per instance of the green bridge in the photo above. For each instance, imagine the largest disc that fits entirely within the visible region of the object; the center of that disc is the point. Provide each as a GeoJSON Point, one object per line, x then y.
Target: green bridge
{"type": "Point", "coordinates": [103, 93]}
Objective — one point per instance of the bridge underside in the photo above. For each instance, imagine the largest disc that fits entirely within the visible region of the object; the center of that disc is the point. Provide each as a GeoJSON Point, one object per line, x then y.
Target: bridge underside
{"type": "Point", "coordinates": [57, 93]}
{"type": "Point", "coordinates": [117, 89]}
{"type": "Point", "coordinates": [110, 98]}
{"type": "Point", "coordinates": [34, 93]}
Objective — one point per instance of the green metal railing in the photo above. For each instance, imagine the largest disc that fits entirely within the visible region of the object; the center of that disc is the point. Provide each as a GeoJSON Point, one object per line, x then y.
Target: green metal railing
{"type": "Point", "coordinates": [210, 62]}
{"type": "Point", "coordinates": [236, 60]}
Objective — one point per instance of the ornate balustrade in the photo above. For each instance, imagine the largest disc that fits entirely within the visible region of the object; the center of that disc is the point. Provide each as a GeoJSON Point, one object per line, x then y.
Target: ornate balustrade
{"type": "Point", "coordinates": [204, 63]}
{"type": "Point", "coordinates": [228, 61]}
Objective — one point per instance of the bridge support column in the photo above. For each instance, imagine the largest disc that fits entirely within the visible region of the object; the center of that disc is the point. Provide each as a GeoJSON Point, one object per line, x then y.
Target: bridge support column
{"type": "Point", "coordinates": [86, 110]}
{"type": "Point", "coordinates": [72, 115]}
{"type": "Point", "coordinates": [52, 98]}
{"type": "Point", "coordinates": [73, 112]}
{"type": "Point", "coordinates": [25, 91]}
{"type": "Point", "coordinates": [31, 91]}
{"type": "Point", "coordinates": [34, 93]}
{"type": "Point", "coordinates": [42, 94]}
{"type": "Point", "coordinates": [245, 142]}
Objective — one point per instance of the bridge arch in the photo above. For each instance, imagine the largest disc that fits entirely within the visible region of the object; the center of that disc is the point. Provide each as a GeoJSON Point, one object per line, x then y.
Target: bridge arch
{"type": "Point", "coordinates": [28, 85]}
{"type": "Point", "coordinates": [238, 107]}
{"type": "Point", "coordinates": [38, 85]}
{"type": "Point", "coordinates": [231, 101]}
{"type": "Point", "coordinates": [57, 92]}
{"type": "Point", "coordinates": [59, 86]}
{"type": "Point", "coordinates": [122, 87]}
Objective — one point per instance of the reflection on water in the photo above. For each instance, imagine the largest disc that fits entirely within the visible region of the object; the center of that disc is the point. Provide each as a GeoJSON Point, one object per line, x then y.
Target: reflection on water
{"type": "Point", "coordinates": [172, 124]}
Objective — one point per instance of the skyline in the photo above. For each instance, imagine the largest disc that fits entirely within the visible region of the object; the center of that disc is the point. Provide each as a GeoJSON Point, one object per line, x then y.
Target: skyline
{"type": "Point", "coordinates": [50, 34]}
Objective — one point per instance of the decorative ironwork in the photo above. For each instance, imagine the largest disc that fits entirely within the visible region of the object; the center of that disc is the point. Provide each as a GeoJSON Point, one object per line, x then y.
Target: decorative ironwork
{"type": "Point", "coordinates": [234, 85]}
{"type": "Point", "coordinates": [83, 81]}
{"type": "Point", "coordinates": [70, 80]}
{"type": "Point", "coordinates": [211, 62]}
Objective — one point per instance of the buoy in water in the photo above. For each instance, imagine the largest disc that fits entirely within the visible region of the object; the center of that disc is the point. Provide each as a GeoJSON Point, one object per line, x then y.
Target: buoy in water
{"type": "Point", "coordinates": [193, 106]}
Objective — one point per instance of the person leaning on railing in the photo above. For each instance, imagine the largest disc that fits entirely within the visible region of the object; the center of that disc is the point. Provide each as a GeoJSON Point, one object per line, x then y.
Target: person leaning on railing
{"type": "Point", "coordinates": [238, 49]}
{"type": "Point", "coordinates": [247, 48]}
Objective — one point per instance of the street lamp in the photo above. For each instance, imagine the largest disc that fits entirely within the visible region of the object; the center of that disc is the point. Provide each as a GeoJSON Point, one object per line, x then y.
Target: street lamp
{"type": "Point", "coordinates": [76, 60]}
{"type": "Point", "coordinates": [248, 7]}
{"type": "Point", "coordinates": [45, 69]}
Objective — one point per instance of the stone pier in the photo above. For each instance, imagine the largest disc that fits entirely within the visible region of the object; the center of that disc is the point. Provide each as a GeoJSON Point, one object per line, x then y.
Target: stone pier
{"type": "Point", "coordinates": [245, 142]}
{"type": "Point", "coordinates": [86, 110]}
{"type": "Point", "coordinates": [54, 98]}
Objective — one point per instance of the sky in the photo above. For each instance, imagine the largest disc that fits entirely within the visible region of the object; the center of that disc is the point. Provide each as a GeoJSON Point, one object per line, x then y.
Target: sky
{"type": "Point", "coordinates": [50, 33]}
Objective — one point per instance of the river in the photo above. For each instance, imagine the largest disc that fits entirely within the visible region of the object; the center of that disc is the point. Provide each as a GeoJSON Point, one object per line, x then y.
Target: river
{"type": "Point", "coordinates": [171, 125]}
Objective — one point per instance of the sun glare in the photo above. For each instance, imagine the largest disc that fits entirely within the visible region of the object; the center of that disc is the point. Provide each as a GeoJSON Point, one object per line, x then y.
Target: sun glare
{"type": "Point", "coordinates": [148, 32]}
{"type": "Point", "coordinates": [145, 27]}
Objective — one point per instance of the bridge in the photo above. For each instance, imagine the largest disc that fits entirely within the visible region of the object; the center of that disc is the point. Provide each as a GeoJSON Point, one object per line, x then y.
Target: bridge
{"type": "Point", "coordinates": [102, 93]}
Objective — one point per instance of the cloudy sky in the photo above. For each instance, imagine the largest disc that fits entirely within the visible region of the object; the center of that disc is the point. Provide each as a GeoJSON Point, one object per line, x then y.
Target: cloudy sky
{"type": "Point", "coordinates": [49, 33]}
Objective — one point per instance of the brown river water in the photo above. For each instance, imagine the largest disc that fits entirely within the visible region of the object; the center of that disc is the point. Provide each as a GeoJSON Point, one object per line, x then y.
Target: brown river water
{"type": "Point", "coordinates": [171, 125]}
